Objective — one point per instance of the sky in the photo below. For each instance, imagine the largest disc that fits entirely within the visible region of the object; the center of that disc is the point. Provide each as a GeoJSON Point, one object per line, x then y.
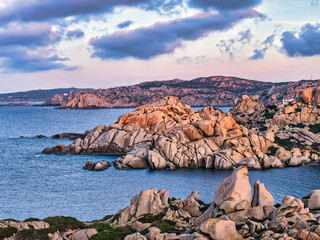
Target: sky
{"type": "Point", "coordinates": [106, 43]}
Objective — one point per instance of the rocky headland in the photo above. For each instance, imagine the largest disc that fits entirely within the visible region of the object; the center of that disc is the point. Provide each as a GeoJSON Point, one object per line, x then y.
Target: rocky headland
{"type": "Point", "coordinates": [233, 214]}
{"type": "Point", "coordinates": [169, 134]}
{"type": "Point", "coordinates": [204, 91]}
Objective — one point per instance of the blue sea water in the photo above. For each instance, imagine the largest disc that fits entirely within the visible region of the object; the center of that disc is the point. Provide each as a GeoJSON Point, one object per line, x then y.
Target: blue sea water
{"type": "Point", "coordinates": [33, 184]}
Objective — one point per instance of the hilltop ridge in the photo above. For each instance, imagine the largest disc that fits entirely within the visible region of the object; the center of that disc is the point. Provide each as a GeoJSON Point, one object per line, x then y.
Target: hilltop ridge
{"type": "Point", "coordinates": [202, 91]}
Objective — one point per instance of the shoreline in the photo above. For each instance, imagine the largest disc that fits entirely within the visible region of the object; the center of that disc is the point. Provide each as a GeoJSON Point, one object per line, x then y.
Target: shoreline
{"type": "Point", "coordinates": [155, 213]}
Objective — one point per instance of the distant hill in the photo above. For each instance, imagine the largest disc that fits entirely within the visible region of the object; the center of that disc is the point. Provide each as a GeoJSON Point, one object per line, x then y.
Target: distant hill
{"type": "Point", "coordinates": [203, 91]}
{"type": "Point", "coordinates": [39, 95]}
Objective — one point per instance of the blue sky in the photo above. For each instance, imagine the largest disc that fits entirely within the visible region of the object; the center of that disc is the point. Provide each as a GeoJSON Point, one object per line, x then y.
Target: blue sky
{"type": "Point", "coordinates": [106, 43]}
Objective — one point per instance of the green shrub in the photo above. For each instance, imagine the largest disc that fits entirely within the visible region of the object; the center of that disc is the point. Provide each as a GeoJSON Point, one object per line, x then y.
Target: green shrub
{"type": "Point", "coordinates": [113, 234]}
{"type": "Point", "coordinates": [115, 217]}
{"type": "Point", "coordinates": [107, 217]}
{"type": "Point", "coordinates": [148, 218]}
{"type": "Point", "coordinates": [286, 143]}
{"type": "Point", "coordinates": [166, 226]}
{"type": "Point", "coordinates": [34, 234]}
{"type": "Point", "coordinates": [299, 125]}
{"type": "Point", "coordinates": [269, 115]}
{"type": "Point", "coordinates": [32, 219]}
{"type": "Point", "coordinates": [273, 150]}
{"type": "Point", "coordinates": [7, 232]}
{"type": "Point", "coordinates": [263, 128]}
{"type": "Point", "coordinates": [315, 128]}
{"type": "Point", "coordinates": [100, 226]}
{"type": "Point", "coordinates": [272, 107]}
{"type": "Point", "coordinates": [63, 223]}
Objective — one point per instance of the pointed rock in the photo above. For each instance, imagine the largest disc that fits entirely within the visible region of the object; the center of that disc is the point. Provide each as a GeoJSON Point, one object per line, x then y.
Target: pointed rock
{"type": "Point", "coordinates": [261, 197]}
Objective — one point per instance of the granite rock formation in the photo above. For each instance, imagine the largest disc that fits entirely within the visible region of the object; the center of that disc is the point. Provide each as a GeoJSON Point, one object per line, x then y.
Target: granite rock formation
{"type": "Point", "coordinates": [168, 134]}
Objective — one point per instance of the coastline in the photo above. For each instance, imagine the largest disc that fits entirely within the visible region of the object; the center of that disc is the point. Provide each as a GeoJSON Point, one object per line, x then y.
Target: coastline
{"type": "Point", "coordinates": [153, 214]}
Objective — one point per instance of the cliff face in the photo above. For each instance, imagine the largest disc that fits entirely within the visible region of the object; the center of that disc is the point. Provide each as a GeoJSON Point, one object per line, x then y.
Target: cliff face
{"type": "Point", "coordinates": [207, 91]}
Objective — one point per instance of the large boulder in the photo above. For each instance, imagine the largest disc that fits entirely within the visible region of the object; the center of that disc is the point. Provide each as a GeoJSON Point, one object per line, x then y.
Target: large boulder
{"type": "Point", "coordinates": [311, 95]}
{"type": "Point", "coordinates": [84, 234]}
{"type": "Point", "coordinates": [219, 229]}
{"type": "Point", "coordinates": [148, 201]}
{"type": "Point", "coordinates": [312, 200]}
{"type": "Point", "coordinates": [234, 193]}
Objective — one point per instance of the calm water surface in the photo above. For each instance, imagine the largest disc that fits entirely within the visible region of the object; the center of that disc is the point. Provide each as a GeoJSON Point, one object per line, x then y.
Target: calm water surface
{"type": "Point", "coordinates": [33, 184]}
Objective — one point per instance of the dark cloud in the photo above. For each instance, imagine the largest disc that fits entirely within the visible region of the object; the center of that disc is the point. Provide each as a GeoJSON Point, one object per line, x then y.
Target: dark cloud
{"type": "Point", "coordinates": [304, 43]}
{"type": "Point", "coordinates": [229, 46]}
{"type": "Point", "coordinates": [265, 45]}
{"type": "Point", "coordinates": [74, 34]}
{"type": "Point", "coordinates": [40, 10]}
{"type": "Point", "coordinates": [31, 34]}
{"type": "Point", "coordinates": [29, 48]}
{"type": "Point", "coordinates": [224, 4]}
{"type": "Point", "coordinates": [43, 10]}
{"type": "Point", "coordinates": [164, 38]}
{"type": "Point", "coordinates": [23, 59]}
{"type": "Point", "coordinates": [125, 24]}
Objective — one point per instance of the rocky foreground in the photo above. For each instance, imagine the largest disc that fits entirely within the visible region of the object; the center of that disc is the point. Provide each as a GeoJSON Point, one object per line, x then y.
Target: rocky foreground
{"type": "Point", "coordinates": [170, 135]}
{"type": "Point", "coordinates": [204, 91]}
{"type": "Point", "coordinates": [153, 215]}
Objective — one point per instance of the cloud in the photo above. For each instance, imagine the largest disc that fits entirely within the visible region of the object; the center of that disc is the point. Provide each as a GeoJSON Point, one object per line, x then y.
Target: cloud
{"type": "Point", "coordinates": [125, 24]}
{"type": "Point", "coordinates": [41, 10]}
{"type": "Point", "coordinates": [189, 59]}
{"type": "Point", "coordinates": [304, 43]}
{"type": "Point", "coordinates": [74, 34]}
{"type": "Point", "coordinates": [23, 59]}
{"type": "Point", "coordinates": [315, 3]}
{"type": "Point", "coordinates": [29, 47]}
{"type": "Point", "coordinates": [224, 4]}
{"type": "Point", "coordinates": [266, 44]}
{"type": "Point", "coordinates": [31, 34]}
{"type": "Point", "coordinates": [164, 38]}
{"type": "Point", "coordinates": [229, 46]}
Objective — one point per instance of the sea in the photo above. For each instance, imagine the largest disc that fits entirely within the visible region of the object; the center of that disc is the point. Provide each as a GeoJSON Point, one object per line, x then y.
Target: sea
{"type": "Point", "coordinates": [33, 184]}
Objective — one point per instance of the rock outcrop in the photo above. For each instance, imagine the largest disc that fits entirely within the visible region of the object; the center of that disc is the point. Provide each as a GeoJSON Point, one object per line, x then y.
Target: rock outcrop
{"type": "Point", "coordinates": [168, 134]}
{"type": "Point", "coordinates": [96, 166]}
{"type": "Point", "coordinates": [15, 104]}
{"type": "Point", "coordinates": [147, 202]}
